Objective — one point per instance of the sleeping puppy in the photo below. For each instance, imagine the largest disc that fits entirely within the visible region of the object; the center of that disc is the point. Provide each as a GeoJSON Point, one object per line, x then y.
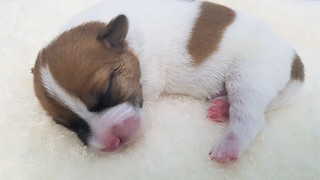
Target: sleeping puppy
{"type": "Point", "coordinates": [94, 77]}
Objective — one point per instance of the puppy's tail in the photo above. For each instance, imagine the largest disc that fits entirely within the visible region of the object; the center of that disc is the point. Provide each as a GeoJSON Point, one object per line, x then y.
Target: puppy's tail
{"type": "Point", "coordinates": [287, 96]}
{"type": "Point", "coordinates": [293, 87]}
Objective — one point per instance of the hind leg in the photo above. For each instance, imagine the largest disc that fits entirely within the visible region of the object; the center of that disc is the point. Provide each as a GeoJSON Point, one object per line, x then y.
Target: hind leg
{"type": "Point", "coordinates": [248, 101]}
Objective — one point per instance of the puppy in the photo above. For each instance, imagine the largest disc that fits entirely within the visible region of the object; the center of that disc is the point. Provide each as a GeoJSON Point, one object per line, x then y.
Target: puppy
{"type": "Point", "coordinates": [94, 76]}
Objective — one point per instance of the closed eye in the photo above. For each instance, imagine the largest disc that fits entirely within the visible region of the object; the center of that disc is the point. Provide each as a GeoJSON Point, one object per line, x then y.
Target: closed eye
{"type": "Point", "coordinates": [104, 100]}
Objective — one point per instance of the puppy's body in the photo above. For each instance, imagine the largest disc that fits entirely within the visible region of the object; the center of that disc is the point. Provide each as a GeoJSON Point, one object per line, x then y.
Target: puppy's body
{"type": "Point", "coordinates": [160, 34]}
{"type": "Point", "coordinates": [199, 49]}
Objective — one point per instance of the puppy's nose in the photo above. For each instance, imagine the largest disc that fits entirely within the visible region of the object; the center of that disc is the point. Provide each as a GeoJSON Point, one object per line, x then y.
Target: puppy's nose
{"type": "Point", "coordinates": [113, 145]}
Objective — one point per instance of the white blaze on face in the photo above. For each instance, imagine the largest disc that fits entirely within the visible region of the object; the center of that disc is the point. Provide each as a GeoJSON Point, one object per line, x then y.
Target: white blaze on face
{"type": "Point", "coordinates": [110, 128]}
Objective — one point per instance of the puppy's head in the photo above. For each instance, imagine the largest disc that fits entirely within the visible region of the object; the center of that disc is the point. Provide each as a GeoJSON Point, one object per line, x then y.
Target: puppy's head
{"type": "Point", "coordinates": [87, 79]}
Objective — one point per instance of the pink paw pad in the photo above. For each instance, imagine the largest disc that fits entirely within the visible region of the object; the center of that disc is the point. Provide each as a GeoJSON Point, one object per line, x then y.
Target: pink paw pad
{"type": "Point", "coordinates": [219, 110]}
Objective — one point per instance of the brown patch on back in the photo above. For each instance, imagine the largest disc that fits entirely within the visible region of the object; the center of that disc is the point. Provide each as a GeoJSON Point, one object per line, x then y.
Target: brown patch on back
{"type": "Point", "coordinates": [208, 30]}
{"type": "Point", "coordinates": [85, 67]}
{"type": "Point", "coordinates": [297, 69]}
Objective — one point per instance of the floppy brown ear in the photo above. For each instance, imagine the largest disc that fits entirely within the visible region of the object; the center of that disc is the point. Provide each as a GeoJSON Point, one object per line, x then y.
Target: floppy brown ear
{"type": "Point", "coordinates": [115, 32]}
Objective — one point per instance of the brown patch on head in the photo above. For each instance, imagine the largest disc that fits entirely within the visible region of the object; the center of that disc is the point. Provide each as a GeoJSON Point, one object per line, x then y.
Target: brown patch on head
{"type": "Point", "coordinates": [53, 108]}
{"type": "Point", "coordinates": [297, 69]}
{"type": "Point", "coordinates": [208, 30]}
{"type": "Point", "coordinates": [60, 114]}
{"type": "Point", "coordinates": [93, 63]}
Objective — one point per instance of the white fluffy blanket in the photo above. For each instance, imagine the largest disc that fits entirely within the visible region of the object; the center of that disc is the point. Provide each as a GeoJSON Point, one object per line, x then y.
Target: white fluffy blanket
{"type": "Point", "coordinates": [178, 136]}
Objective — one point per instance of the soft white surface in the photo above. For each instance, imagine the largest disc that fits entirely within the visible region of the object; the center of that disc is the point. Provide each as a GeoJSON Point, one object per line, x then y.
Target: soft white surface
{"type": "Point", "coordinates": [178, 136]}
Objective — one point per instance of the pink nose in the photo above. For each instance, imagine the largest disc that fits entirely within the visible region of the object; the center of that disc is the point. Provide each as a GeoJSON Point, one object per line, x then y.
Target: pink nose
{"type": "Point", "coordinates": [115, 143]}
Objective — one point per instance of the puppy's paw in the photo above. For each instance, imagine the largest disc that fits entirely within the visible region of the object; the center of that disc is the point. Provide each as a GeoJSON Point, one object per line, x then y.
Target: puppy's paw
{"type": "Point", "coordinates": [227, 150]}
{"type": "Point", "coordinates": [219, 110]}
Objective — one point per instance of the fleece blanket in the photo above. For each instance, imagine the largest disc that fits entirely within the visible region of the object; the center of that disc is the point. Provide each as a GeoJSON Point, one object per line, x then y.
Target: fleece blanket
{"type": "Point", "coordinates": [178, 135]}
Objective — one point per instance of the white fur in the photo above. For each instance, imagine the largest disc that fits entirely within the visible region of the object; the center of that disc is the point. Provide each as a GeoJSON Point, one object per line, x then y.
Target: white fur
{"type": "Point", "coordinates": [286, 96]}
{"type": "Point", "coordinates": [252, 62]}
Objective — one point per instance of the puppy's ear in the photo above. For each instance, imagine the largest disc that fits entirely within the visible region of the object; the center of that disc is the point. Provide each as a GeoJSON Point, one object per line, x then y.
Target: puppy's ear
{"type": "Point", "coordinates": [115, 32]}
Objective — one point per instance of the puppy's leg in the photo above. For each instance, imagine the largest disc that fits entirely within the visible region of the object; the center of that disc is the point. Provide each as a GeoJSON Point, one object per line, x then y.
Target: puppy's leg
{"type": "Point", "coordinates": [248, 100]}
{"type": "Point", "coordinates": [219, 109]}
